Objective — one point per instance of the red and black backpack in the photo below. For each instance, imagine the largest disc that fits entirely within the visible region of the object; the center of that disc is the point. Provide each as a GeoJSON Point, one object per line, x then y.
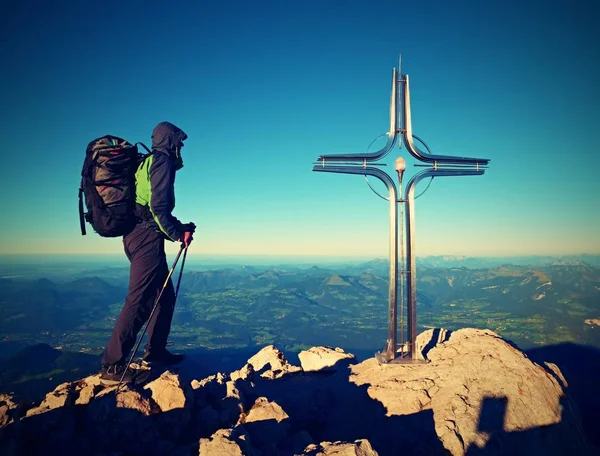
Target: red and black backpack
{"type": "Point", "coordinates": [108, 185]}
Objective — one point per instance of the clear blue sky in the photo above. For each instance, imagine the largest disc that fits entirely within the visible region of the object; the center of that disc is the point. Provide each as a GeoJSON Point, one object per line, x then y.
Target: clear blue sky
{"type": "Point", "coordinates": [264, 87]}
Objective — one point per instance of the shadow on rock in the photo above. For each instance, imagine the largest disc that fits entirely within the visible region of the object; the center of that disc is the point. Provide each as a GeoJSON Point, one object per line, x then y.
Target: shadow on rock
{"type": "Point", "coordinates": [331, 408]}
{"type": "Point", "coordinates": [515, 443]}
{"type": "Point", "coordinates": [438, 336]}
{"type": "Point", "coordinates": [106, 426]}
{"type": "Point", "coordinates": [580, 366]}
{"type": "Point", "coordinates": [474, 383]}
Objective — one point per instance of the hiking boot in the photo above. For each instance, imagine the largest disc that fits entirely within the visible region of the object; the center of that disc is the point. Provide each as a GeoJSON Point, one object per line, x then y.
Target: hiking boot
{"type": "Point", "coordinates": [111, 375]}
{"type": "Point", "coordinates": [163, 358]}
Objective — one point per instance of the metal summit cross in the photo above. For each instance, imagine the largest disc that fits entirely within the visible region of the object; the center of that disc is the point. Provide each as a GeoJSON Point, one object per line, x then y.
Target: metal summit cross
{"type": "Point", "coordinates": [436, 165]}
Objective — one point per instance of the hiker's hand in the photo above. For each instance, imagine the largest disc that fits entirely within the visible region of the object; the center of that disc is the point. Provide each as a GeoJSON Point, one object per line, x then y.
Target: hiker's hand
{"type": "Point", "coordinates": [189, 227]}
{"type": "Point", "coordinates": [187, 239]}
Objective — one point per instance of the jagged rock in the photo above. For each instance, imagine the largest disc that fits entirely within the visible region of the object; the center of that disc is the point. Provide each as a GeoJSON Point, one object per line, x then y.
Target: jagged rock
{"type": "Point", "coordinates": [232, 405]}
{"type": "Point", "coordinates": [324, 359]}
{"type": "Point", "coordinates": [175, 401]}
{"type": "Point", "coordinates": [430, 338]}
{"type": "Point", "coordinates": [264, 410]}
{"type": "Point", "coordinates": [107, 402]}
{"type": "Point", "coordinates": [478, 387]}
{"type": "Point", "coordinates": [308, 398]}
{"type": "Point", "coordinates": [87, 389]}
{"type": "Point", "coordinates": [169, 393]}
{"type": "Point", "coordinates": [219, 394]}
{"type": "Point", "coordinates": [266, 422]}
{"type": "Point", "coordinates": [79, 393]}
{"type": "Point", "coordinates": [226, 442]}
{"type": "Point", "coordinates": [8, 410]}
{"type": "Point", "coordinates": [268, 355]}
{"type": "Point", "coordinates": [122, 417]}
{"type": "Point", "coordinates": [210, 390]}
{"type": "Point", "coordinates": [245, 373]}
{"type": "Point", "coordinates": [360, 447]}
{"type": "Point", "coordinates": [219, 378]}
{"type": "Point", "coordinates": [271, 363]}
{"type": "Point", "coordinates": [133, 400]}
{"type": "Point", "coordinates": [87, 393]}
{"type": "Point", "coordinates": [559, 376]}
{"type": "Point", "coordinates": [62, 395]}
{"type": "Point", "coordinates": [93, 380]}
{"type": "Point", "coordinates": [9, 425]}
{"type": "Point", "coordinates": [477, 394]}
{"type": "Point", "coordinates": [52, 417]}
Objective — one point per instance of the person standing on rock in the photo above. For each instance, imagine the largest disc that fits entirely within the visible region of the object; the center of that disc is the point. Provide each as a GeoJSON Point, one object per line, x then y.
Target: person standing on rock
{"type": "Point", "coordinates": [145, 249]}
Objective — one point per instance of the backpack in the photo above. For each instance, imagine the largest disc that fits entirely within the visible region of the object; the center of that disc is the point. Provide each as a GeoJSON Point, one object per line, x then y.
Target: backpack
{"type": "Point", "coordinates": [108, 185]}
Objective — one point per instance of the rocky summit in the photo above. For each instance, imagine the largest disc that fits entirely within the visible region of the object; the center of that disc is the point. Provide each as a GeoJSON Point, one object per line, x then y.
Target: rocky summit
{"type": "Point", "coordinates": [477, 394]}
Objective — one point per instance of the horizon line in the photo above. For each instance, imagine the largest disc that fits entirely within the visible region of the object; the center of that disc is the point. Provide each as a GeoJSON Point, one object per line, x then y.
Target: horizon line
{"type": "Point", "coordinates": [283, 255]}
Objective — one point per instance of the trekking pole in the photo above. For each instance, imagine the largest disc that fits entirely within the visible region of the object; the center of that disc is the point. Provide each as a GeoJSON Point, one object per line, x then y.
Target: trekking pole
{"type": "Point", "coordinates": [180, 273]}
{"type": "Point", "coordinates": [137, 345]}
{"type": "Point", "coordinates": [193, 229]}
{"type": "Point", "coordinates": [179, 279]}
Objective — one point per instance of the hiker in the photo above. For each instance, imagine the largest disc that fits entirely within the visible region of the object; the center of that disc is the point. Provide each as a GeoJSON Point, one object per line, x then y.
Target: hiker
{"type": "Point", "coordinates": [144, 247]}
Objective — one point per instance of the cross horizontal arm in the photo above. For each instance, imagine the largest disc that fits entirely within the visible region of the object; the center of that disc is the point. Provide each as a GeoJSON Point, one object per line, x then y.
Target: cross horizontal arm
{"type": "Point", "coordinates": [424, 156]}
{"type": "Point", "coordinates": [363, 171]}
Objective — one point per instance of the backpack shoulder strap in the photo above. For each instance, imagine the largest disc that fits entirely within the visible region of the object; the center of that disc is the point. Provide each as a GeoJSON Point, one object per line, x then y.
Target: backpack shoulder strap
{"type": "Point", "coordinates": [81, 213]}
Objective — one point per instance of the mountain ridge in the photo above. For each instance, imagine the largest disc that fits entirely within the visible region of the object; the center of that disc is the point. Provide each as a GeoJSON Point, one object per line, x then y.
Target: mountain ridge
{"type": "Point", "coordinates": [470, 398]}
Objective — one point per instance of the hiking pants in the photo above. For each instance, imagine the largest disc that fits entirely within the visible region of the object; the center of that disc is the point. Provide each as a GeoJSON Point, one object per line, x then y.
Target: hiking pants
{"type": "Point", "coordinates": [145, 249]}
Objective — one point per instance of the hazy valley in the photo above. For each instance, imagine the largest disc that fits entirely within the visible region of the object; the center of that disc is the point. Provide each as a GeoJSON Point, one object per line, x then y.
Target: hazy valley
{"type": "Point", "coordinates": [225, 312]}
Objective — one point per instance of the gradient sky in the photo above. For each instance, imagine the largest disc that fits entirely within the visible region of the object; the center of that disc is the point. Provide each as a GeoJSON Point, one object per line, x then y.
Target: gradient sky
{"type": "Point", "coordinates": [264, 87]}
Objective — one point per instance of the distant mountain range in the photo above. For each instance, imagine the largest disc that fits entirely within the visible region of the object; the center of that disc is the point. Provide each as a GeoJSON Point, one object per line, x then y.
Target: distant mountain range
{"type": "Point", "coordinates": [457, 261]}
{"type": "Point", "coordinates": [293, 307]}
{"type": "Point", "coordinates": [41, 305]}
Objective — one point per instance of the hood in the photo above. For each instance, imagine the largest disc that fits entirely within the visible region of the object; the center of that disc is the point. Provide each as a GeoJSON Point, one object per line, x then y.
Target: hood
{"type": "Point", "coordinates": [166, 138]}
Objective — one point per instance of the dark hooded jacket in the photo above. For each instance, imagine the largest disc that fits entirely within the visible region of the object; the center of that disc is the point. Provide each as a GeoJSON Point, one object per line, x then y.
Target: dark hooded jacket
{"type": "Point", "coordinates": [155, 182]}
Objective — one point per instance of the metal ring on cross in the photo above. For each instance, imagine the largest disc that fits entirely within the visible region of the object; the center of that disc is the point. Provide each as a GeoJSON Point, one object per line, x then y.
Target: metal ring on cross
{"type": "Point", "coordinates": [367, 179]}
